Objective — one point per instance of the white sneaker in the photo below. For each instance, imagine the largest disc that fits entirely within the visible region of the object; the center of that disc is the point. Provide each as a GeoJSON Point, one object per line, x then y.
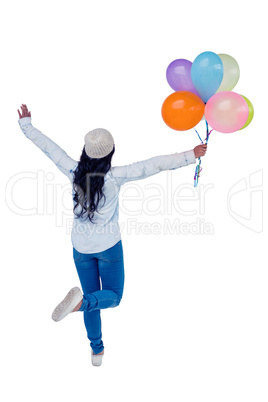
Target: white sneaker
{"type": "Point", "coordinates": [73, 297]}
{"type": "Point", "coordinates": [96, 360]}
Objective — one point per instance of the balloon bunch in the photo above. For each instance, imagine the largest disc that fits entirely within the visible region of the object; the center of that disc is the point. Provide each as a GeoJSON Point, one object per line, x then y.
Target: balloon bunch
{"type": "Point", "coordinates": [203, 90]}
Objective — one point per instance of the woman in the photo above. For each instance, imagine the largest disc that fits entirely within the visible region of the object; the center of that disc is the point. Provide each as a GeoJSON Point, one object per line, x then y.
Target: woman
{"type": "Point", "coordinates": [96, 239]}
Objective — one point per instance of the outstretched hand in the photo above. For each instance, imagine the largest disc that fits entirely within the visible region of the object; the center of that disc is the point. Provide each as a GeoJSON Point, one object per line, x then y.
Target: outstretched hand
{"type": "Point", "coordinates": [200, 150]}
{"type": "Point", "coordinates": [25, 112]}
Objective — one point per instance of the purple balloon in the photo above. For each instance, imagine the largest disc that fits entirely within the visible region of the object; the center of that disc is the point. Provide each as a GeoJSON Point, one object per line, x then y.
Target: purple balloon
{"type": "Point", "coordinates": [179, 76]}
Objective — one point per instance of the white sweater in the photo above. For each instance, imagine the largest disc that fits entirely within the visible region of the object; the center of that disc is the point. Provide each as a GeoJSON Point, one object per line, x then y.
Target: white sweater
{"type": "Point", "coordinates": [92, 238]}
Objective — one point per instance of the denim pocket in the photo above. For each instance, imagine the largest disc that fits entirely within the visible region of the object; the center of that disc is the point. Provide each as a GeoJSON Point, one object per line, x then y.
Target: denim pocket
{"type": "Point", "coordinates": [113, 254]}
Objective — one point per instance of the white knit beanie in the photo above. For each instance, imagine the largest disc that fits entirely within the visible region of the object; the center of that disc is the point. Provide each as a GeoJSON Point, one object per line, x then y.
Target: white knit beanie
{"type": "Point", "coordinates": [98, 143]}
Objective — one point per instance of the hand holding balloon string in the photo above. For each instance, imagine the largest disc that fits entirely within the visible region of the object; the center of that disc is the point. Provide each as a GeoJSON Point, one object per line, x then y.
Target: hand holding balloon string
{"type": "Point", "coordinates": [198, 167]}
{"type": "Point", "coordinates": [199, 151]}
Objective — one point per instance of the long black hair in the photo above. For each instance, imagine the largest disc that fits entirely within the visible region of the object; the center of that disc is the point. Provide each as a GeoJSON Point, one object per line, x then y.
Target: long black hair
{"type": "Point", "coordinates": [88, 182]}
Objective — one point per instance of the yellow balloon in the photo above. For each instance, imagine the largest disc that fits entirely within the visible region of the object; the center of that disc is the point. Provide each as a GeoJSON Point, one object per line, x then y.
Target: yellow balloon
{"type": "Point", "coordinates": [231, 73]}
{"type": "Point", "coordinates": [250, 112]}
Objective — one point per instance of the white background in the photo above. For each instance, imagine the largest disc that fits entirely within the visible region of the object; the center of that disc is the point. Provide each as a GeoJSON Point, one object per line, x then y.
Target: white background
{"type": "Point", "coordinates": [192, 325]}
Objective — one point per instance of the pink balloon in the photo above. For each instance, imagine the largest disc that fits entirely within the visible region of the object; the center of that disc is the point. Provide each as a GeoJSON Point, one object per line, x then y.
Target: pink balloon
{"type": "Point", "coordinates": [226, 112]}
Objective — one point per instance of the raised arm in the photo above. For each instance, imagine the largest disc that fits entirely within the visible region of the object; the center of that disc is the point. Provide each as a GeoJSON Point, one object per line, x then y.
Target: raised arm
{"type": "Point", "coordinates": [63, 161]}
{"type": "Point", "coordinates": [143, 169]}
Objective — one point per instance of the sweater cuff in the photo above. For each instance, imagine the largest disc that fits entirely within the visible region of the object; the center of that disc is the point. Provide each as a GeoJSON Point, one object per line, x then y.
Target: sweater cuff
{"type": "Point", "coordinates": [24, 121]}
{"type": "Point", "coordinates": [190, 156]}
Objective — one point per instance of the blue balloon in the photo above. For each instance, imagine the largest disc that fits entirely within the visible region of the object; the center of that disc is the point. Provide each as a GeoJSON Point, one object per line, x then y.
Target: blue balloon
{"type": "Point", "coordinates": [207, 74]}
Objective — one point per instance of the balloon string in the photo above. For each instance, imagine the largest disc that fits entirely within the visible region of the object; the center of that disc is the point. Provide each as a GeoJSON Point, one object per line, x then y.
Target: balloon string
{"type": "Point", "coordinates": [208, 134]}
{"type": "Point", "coordinates": [198, 168]}
{"type": "Point", "coordinates": [199, 136]}
{"type": "Point", "coordinates": [207, 128]}
{"type": "Point", "coordinates": [197, 173]}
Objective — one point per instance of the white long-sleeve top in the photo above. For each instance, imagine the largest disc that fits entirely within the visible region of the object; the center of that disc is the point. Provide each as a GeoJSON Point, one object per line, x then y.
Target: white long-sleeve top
{"type": "Point", "coordinates": [95, 237]}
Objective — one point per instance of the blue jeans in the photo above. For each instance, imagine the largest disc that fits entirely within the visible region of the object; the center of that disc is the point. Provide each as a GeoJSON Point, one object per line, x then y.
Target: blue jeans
{"type": "Point", "coordinates": [102, 280]}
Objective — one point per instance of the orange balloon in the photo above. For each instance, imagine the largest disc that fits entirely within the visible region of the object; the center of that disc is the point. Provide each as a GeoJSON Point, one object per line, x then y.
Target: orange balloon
{"type": "Point", "coordinates": [182, 110]}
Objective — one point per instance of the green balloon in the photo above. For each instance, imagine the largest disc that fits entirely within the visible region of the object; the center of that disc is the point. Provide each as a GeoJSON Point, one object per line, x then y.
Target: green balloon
{"type": "Point", "coordinates": [250, 112]}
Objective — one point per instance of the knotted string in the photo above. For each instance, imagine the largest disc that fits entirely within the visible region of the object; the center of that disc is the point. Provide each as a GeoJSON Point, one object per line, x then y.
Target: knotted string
{"type": "Point", "coordinates": [198, 167]}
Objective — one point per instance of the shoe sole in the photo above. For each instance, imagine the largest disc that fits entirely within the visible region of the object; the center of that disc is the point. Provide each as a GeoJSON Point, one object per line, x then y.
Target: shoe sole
{"type": "Point", "coordinates": [73, 297]}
